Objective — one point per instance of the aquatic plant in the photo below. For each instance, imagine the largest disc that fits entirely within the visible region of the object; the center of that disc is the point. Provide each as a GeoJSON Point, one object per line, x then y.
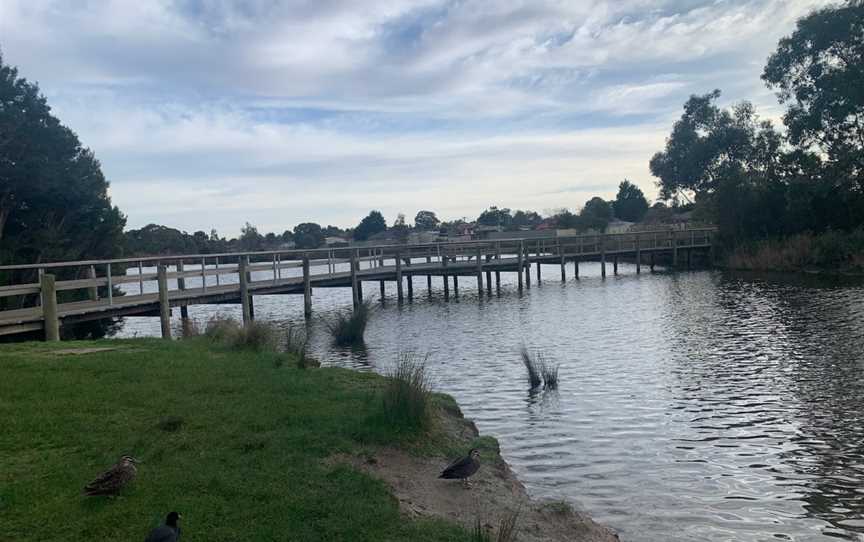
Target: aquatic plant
{"type": "Point", "coordinates": [349, 328]}
{"type": "Point", "coordinates": [531, 365]}
{"type": "Point", "coordinates": [541, 370]}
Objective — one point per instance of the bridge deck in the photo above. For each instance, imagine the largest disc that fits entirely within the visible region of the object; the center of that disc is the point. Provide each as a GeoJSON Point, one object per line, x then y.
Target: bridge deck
{"type": "Point", "coordinates": [494, 258]}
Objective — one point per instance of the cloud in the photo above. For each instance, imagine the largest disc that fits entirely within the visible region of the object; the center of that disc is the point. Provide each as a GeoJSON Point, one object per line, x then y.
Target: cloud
{"type": "Point", "coordinates": [300, 110]}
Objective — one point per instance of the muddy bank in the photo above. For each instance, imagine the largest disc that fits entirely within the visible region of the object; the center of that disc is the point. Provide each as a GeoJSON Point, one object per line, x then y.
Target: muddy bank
{"type": "Point", "coordinates": [494, 495]}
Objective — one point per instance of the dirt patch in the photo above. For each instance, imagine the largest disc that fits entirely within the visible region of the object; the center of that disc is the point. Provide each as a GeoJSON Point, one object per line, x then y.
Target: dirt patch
{"type": "Point", "coordinates": [495, 493]}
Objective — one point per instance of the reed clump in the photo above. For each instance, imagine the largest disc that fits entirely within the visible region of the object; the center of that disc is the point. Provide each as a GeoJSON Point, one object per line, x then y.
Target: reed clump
{"type": "Point", "coordinates": [348, 328]}
{"type": "Point", "coordinates": [541, 370]}
{"type": "Point", "coordinates": [406, 396]}
{"type": "Point", "coordinates": [296, 342]}
{"type": "Point", "coordinates": [255, 336]}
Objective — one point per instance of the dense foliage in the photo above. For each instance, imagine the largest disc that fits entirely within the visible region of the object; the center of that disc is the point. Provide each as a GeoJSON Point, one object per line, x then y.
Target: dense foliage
{"type": "Point", "coordinates": [756, 182]}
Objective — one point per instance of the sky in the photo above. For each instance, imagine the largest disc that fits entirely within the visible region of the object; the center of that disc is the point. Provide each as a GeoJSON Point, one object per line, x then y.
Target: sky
{"type": "Point", "coordinates": [209, 114]}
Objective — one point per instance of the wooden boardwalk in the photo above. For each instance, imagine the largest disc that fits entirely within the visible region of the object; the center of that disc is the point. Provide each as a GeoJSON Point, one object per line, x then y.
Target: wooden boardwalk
{"type": "Point", "coordinates": [183, 280]}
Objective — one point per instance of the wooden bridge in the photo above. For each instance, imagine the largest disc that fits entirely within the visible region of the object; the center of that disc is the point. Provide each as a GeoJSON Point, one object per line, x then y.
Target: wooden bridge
{"type": "Point", "coordinates": [161, 282]}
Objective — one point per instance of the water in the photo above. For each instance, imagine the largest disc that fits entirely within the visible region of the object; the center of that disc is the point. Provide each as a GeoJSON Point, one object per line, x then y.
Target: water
{"type": "Point", "coordinates": [692, 406]}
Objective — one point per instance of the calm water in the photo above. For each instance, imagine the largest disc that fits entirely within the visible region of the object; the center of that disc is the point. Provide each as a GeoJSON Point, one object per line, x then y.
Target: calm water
{"type": "Point", "coordinates": [692, 406]}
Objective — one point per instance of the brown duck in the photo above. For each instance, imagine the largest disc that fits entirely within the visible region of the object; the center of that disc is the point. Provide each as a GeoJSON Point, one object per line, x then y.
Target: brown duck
{"type": "Point", "coordinates": [463, 468]}
{"type": "Point", "coordinates": [114, 479]}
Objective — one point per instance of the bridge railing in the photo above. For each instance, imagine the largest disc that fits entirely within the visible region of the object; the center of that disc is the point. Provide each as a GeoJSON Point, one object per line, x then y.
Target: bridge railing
{"type": "Point", "coordinates": [96, 280]}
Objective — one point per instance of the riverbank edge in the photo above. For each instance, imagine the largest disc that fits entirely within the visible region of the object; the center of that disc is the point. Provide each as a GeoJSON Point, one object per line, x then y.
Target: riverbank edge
{"type": "Point", "coordinates": [140, 364]}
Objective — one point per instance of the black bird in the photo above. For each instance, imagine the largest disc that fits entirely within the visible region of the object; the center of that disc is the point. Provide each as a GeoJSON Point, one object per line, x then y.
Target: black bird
{"type": "Point", "coordinates": [170, 532]}
{"type": "Point", "coordinates": [112, 480]}
{"type": "Point", "coordinates": [463, 468]}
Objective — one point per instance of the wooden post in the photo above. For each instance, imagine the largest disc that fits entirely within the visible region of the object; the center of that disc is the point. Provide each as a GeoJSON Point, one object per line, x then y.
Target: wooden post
{"type": "Point", "coordinates": [520, 264]}
{"type": "Point", "coordinates": [444, 276]}
{"type": "Point", "coordinates": [164, 303]}
{"type": "Point", "coordinates": [576, 267]}
{"type": "Point", "coordinates": [243, 270]}
{"type": "Point", "coordinates": [615, 265]}
{"type": "Point", "coordinates": [479, 271]}
{"type": "Point", "coordinates": [93, 291]}
{"type": "Point", "coordinates": [399, 294]}
{"type": "Point", "coordinates": [359, 290]}
{"type": "Point", "coordinates": [455, 286]}
{"type": "Point", "coordinates": [410, 280]}
{"type": "Point", "coordinates": [638, 255]}
{"type": "Point", "coordinates": [307, 288]}
{"type": "Point", "coordinates": [181, 285]}
{"type": "Point", "coordinates": [527, 268]}
{"type": "Point", "coordinates": [603, 255]}
{"type": "Point", "coordinates": [50, 316]}
{"type": "Point", "coordinates": [429, 278]}
{"type": "Point", "coordinates": [381, 285]}
{"type": "Point", "coordinates": [674, 248]}
{"type": "Point", "coordinates": [563, 263]}
{"type": "Point", "coordinates": [488, 281]}
{"type": "Point", "coordinates": [353, 264]}
{"type": "Point", "coordinates": [110, 284]}
{"type": "Point", "coordinates": [538, 272]}
{"type": "Point", "coordinates": [651, 264]}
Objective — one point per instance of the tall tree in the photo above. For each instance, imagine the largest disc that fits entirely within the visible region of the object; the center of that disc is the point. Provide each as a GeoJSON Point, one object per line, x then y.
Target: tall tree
{"type": "Point", "coordinates": [370, 225]}
{"type": "Point", "coordinates": [525, 219]}
{"type": "Point", "coordinates": [818, 72]}
{"type": "Point", "coordinates": [426, 221]}
{"type": "Point", "coordinates": [308, 235]}
{"type": "Point", "coordinates": [494, 216]}
{"type": "Point", "coordinates": [250, 239]}
{"type": "Point", "coordinates": [54, 200]}
{"type": "Point", "coordinates": [596, 214]}
{"type": "Point", "coordinates": [630, 203]}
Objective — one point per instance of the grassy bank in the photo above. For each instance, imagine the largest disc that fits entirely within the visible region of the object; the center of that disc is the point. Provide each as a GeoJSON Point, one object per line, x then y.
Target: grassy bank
{"type": "Point", "coordinates": [236, 441]}
{"type": "Point", "coordinates": [830, 251]}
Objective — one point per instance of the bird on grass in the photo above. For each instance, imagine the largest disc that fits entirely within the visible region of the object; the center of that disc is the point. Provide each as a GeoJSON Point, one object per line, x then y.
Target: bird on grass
{"type": "Point", "coordinates": [170, 532]}
{"type": "Point", "coordinates": [463, 467]}
{"type": "Point", "coordinates": [114, 479]}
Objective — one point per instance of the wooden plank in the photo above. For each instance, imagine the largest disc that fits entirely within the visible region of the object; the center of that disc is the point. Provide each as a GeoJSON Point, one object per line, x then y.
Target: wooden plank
{"type": "Point", "coordinates": [19, 289]}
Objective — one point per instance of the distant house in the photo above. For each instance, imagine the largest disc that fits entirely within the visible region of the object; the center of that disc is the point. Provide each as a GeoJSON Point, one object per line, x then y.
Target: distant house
{"type": "Point", "coordinates": [483, 231]}
{"type": "Point", "coordinates": [619, 226]}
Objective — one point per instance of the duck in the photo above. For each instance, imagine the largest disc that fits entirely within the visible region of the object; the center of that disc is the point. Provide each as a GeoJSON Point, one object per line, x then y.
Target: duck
{"type": "Point", "coordinates": [114, 479]}
{"type": "Point", "coordinates": [463, 468]}
{"type": "Point", "coordinates": [169, 532]}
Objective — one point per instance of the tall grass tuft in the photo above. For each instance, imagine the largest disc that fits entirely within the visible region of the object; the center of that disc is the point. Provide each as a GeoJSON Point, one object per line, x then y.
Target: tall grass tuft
{"type": "Point", "coordinates": [506, 531]}
{"type": "Point", "coordinates": [256, 336]}
{"type": "Point", "coordinates": [348, 328]}
{"type": "Point", "coordinates": [296, 343]}
{"type": "Point", "coordinates": [541, 370]}
{"type": "Point", "coordinates": [406, 393]}
{"type": "Point", "coordinates": [531, 365]}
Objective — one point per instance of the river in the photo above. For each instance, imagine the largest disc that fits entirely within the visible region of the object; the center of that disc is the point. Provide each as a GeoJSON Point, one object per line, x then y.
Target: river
{"type": "Point", "coordinates": [692, 406]}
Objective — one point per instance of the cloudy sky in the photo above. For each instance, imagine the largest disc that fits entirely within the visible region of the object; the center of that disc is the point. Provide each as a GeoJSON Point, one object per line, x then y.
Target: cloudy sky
{"type": "Point", "coordinates": [206, 114]}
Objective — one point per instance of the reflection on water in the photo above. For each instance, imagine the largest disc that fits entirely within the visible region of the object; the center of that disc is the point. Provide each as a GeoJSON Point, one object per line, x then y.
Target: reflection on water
{"type": "Point", "coordinates": [692, 406]}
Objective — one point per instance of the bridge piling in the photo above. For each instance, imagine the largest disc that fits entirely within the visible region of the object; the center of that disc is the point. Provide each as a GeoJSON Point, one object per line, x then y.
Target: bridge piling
{"type": "Point", "coordinates": [576, 267]}
{"type": "Point", "coordinates": [381, 285]}
{"type": "Point", "coordinates": [93, 291]}
{"type": "Point", "coordinates": [479, 271]}
{"type": "Point", "coordinates": [520, 265]}
{"type": "Point", "coordinates": [181, 285]}
{"type": "Point", "coordinates": [455, 286]}
{"type": "Point", "coordinates": [603, 256]}
{"type": "Point", "coordinates": [164, 303]}
{"type": "Point", "coordinates": [307, 288]}
{"type": "Point", "coordinates": [355, 298]}
{"type": "Point", "coordinates": [615, 265]}
{"type": "Point", "coordinates": [399, 293]}
{"type": "Point", "coordinates": [444, 276]}
{"type": "Point", "coordinates": [245, 300]}
{"type": "Point", "coordinates": [429, 278]}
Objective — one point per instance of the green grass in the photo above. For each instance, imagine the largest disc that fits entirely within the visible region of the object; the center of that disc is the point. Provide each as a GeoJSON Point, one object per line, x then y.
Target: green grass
{"type": "Point", "coordinates": [235, 440]}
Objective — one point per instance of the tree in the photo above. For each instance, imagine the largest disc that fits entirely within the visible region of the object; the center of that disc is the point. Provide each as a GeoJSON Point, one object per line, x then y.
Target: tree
{"type": "Point", "coordinates": [630, 203]}
{"type": "Point", "coordinates": [426, 221]}
{"type": "Point", "coordinates": [308, 235]}
{"type": "Point", "coordinates": [596, 214]}
{"type": "Point", "coordinates": [287, 236]}
{"type": "Point", "coordinates": [495, 217]}
{"type": "Point", "coordinates": [400, 228]}
{"type": "Point", "coordinates": [525, 219]}
{"type": "Point", "coordinates": [818, 72]}
{"type": "Point", "coordinates": [370, 225]}
{"type": "Point", "coordinates": [250, 239]}
{"type": "Point", "coordinates": [564, 219]}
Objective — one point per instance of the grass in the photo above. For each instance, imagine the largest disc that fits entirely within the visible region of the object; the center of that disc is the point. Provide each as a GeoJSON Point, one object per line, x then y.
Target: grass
{"type": "Point", "coordinates": [406, 397]}
{"type": "Point", "coordinates": [506, 531]}
{"type": "Point", "coordinates": [843, 251]}
{"type": "Point", "coordinates": [234, 442]}
{"type": "Point", "coordinates": [540, 369]}
{"type": "Point", "coordinates": [348, 328]}
{"type": "Point", "coordinates": [257, 336]}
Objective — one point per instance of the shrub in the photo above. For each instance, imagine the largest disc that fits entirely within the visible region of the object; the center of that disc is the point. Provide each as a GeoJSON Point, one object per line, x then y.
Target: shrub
{"type": "Point", "coordinates": [257, 336]}
{"type": "Point", "coordinates": [407, 392]}
{"type": "Point", "coordinates": [348, 328]}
